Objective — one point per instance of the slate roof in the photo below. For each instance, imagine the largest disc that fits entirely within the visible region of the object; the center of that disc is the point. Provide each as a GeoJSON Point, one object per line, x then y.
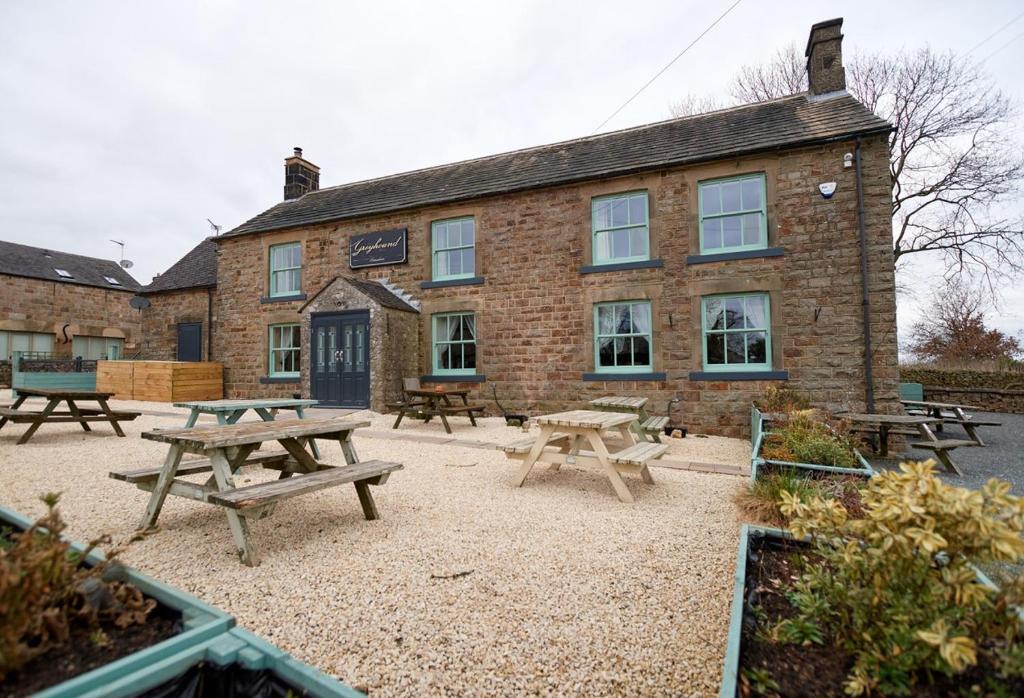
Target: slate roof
{"type": "Point", "coordinates": [787, 122]}
{"type": "Point", "coordinates": [380, 293]}
{"type": "Point", "coordinates": [39, 263]}
{"type": "Point", "coordinates": [197, 269]}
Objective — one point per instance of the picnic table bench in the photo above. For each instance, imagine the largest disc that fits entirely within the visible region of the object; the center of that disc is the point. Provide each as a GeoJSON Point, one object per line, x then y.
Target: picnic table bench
{"type": "Point", "coordinates": [425, 404]}
{"type": "Point", "coordinates": [886, 424]}
{"type": "Point", "coordinates": [951, 413]}
{"type": "Point", "coordinates": [74, 413]}
{"type": "Point", "coordinates": [230, 411]}
{"type": "Point", "coordinates": [569, 431]}
{"type": "Point", "coordinates": [230, 447]}
{"type": "Point", "coordinates": [646, 427]}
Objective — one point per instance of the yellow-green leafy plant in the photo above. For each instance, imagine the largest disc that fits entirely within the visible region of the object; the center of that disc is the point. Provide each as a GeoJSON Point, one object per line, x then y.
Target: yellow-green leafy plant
{"type": "Point", "coordinates": [897, 589]}
{"type": "Point", "coordinates": [45, 590]}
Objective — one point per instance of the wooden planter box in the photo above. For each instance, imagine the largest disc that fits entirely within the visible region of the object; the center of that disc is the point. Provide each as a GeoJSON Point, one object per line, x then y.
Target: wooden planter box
{"type": "Point", "coordinates": [161, 381]}
{"type": "Point", "coordinates": [757, 433]}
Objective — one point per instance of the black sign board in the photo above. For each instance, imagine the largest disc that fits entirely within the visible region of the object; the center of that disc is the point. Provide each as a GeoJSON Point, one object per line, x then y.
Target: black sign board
{"type": "Point", "coordinates": [376, 249]}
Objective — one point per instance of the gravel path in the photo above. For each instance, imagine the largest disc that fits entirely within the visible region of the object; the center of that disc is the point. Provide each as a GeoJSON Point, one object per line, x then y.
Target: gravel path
{"type": "Point", "coordinates": [568, 591]}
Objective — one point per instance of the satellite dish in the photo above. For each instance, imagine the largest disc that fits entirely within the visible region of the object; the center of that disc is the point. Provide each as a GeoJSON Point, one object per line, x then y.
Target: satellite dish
{"type": "Point", "coordinates": [127, 263]}
{"type": "Point", "coordinates": [139, 302]}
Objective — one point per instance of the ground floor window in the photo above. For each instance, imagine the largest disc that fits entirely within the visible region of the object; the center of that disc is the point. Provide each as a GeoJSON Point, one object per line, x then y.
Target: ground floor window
{"type": "Point", "coordinates": [737, 332]}
{"type": "Point", "coordinates": [285, 343]}
{"type": "Point", "coordinates": [454, 343]}
{"type": "Point", "coordinates": [93, 348]}
{"type": "Point", "coordinates": [11, 342]}
{"type": "Point", "coordinates": [622, 336]}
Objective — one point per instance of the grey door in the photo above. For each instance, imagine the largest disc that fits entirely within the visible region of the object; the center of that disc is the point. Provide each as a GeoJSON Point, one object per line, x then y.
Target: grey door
{"type": "Point", "coordinates": [190, 341]}
{"type": "Point", "coordinates": [340, 353]}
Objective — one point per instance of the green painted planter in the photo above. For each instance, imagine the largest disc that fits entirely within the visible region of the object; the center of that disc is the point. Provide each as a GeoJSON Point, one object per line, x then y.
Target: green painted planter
{"type": "Point", "coordinates": [758, 433]}
{"type": "Point", "coordinates": [209, 635]}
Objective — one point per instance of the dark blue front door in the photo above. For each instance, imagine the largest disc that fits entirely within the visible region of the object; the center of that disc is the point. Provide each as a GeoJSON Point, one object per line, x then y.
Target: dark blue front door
{"type": "Point", "coordinates": [340, 359]}
{"type": "Point", "coordinates": [190, 341]}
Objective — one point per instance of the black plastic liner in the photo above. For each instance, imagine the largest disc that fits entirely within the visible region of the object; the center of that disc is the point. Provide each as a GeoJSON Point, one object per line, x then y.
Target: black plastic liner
{"type": "Point", "coordinates": [206, 680]}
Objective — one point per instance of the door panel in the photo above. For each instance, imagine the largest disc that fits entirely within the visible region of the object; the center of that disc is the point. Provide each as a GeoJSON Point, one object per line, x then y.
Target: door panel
{"type": "Point", "coordinates": [190, 341]}
{"type": "Point", "coordinates": [341, 368]}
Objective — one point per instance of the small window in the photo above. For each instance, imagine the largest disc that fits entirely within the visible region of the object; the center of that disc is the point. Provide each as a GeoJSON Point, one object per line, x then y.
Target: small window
{"type": "Point", "coordinates": [286, 269]}
{"type": "Point", "coordinates": [453, 246]}
{"type": "Point", "coordinates": [622, 337]}
{"type": "Point", "coordinates": [454, 343]}
{"type": "Point", "coordinates": [284, 350]}
{"type": "Point", "coordinates": [112, 280]}
{"type": "Point", "coordinates": [733, 214]}
{"type": "Point", "coordinates": [737, 332]}
{"type": "Point", "coordinates": [93, 348]}
{"type": "Point", "coordinates": [63, 273]}
{"type": "Point", "coordinates": [620, 229]}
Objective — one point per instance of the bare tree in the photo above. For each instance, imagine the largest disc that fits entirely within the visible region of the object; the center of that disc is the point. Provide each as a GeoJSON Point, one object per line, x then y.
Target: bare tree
{"type": "Point", "coordinates": [956, 169]}
{"type": "Point", "coordinates": [692, 104]}
{"type": "Point", "coordinates": [955, 331]}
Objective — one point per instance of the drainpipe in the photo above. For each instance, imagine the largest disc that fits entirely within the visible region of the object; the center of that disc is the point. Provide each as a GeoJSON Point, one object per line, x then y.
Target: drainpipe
{"type": "Point", "coordinates": [869, 384]}
{"type": "Point", "coordinates": [209, 324]}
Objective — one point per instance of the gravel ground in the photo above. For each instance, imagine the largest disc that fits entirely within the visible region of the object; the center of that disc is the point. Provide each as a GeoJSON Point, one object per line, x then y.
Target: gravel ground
{"type": "Point", "coordinates": [568, 591]}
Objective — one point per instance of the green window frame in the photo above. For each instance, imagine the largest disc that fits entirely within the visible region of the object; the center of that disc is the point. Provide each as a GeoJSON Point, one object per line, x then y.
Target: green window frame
{"type": "Point", "coordinates": [454, 343]}
{"type": "Point", "coordinates": [620, 228]}
{"type": "Point", "coordinates": [285, 269]}
{"type": "Point", "coordinates": [453, 248]}
{"type": "Point", "coordinates": [284, 350]}
{"type": "Point", "coordinates": [736, 332]}
{"type": "Point", "coordinates": [733, 214]}
{"type": "Point", "coordinates": [623, 341]}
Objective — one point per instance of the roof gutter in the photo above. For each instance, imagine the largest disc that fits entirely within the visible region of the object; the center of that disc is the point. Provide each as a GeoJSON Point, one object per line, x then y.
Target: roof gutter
{"type": "Point", "coordinates": [869, 384]}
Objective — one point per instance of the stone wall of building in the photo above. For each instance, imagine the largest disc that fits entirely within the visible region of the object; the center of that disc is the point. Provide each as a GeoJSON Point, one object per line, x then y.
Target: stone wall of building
{"type": "Point", "coordinates": [166, 311]}
{"type": "Point", "coordinates": [534, 309]}
{"type": "Point", "coordinates": [65, 310]}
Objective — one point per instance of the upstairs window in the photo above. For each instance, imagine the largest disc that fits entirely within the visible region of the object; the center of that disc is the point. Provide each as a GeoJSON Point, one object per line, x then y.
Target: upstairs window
{"type": "Point", "coordinates": [284, 344]}
{"type": "Point", "coordinates": [737, 332]}
{"type": "Point", "coordinates": [733, 214]}
{"type": "Point", "coordinates": [622, 337]}
{"type": "Point", "coordinates": [63, 273]}
{"type": "Point", "coordinates": [112, 281]}
{"type": "Point", "coordinates": [454, 343]}
{"type": "Point", "coordinates": [453, 248]}
{"type": "Point", "coordinates": [620, 228]}
{"type": "Point", "coordinates": [286, 269]}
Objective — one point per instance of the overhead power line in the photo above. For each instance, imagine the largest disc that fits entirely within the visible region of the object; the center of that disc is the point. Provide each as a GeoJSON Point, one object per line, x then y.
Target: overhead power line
{"type": "Point", "coordinates": [993, 35]}
{"type": "Point", "coordinates": [1002, 47]}
{"type": "Point", "coordinates": [669, 65]}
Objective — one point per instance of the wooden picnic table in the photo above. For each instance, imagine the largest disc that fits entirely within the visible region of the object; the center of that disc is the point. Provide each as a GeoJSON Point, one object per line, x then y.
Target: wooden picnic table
{"type": "Point", "coordinates": [230, 411]}
{"type": "Point", "coordinates": [646, 427]}
{"type": "Point", "coordinates": [951, 413]}
{"type": "Point", "coordinates": [885, 424]}
{"type": "Point", "coordinates": [230, 447]}
{"type": "Point", "coordinates": [74, 413]}
{"type": "Point", "coordinates": [426, 403]}
{"type": "Point", "coordinates": [569, 431]}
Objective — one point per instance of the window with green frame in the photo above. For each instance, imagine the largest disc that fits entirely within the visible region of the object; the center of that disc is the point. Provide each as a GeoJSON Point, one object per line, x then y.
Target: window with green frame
{"type": "Point", "coordinates": [622, 337]}
{"type": "Point", "coordinates": [737, 332]}
{"type": "Point", "coordinates": [454, 343]}
{"type": "Point", "coordinates": [284, 351]}
{"type": "Point", "coordinates": [453, 248]}
{"type": "Point", "coordinates": [733, 214]}
{"type": "Point", "coordinates": [620, 228]}
{"type": "Point", "coordinates": [286, 269]}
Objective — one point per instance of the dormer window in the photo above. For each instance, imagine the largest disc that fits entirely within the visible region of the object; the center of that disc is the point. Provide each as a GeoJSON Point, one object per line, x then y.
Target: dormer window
{"type": "Point", "coordinates": [111, 280]}
{"type": "Point", "coordinates": [63, 273]}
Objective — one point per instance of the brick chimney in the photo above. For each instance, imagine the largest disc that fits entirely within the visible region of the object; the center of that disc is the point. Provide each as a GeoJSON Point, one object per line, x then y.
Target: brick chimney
{"type": "Point", "coordinates": [300, 176]}
{"type": "Point", "coordinates": [825, 72]}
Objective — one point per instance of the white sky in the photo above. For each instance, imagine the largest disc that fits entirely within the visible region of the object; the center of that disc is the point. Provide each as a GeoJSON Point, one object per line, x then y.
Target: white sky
{"type": "Point", "coordinates": [140, 120]}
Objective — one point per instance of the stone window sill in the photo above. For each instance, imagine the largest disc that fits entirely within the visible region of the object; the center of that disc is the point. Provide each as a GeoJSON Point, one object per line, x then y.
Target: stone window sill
{"type": "Point", "coordinates": [467, 378]}
{"type": "Point", "coordinates": [283, 299]}
{"type": "Point", "coordinates": [739, 375]}
{"type": "Point", "coordinates": [728, 256]}
{"type": "Point", "coordinates": [623, 266]}
{"type": "Point", "coordinates": [280, 379]}
{"type": "Point", "coordinates": [470, 281]}
{"type": "Point", "coordinates": [641, 376]}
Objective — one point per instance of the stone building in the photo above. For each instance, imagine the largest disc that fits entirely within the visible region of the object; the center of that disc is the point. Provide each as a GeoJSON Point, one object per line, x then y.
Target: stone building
{"type": "Point", "coordinates": [704, 258]}
{"type": "Point", "coordinates": [179, 321]}
{"type": "Point", "coordinates": [64, 304]}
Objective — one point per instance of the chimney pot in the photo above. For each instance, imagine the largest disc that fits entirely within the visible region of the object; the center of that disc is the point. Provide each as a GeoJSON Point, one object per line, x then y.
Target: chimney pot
{"type": "Point", "coordinates": [300, 176]}
{"type": "Point", "coordinates": [825, 72]}
{"type": "Point", "coordinates": [298, 152]}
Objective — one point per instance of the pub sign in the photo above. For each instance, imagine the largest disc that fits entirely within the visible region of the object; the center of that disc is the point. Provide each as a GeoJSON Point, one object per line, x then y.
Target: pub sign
{"type": "Point", "coordinates": [376, 249]}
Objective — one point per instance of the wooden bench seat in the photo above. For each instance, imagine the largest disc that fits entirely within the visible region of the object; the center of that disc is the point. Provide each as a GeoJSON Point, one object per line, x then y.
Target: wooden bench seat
{"type": "Point", "coordinates": [524, 445]}
{"type": "Point", "coordinates": [196, 466]}
{"type": "Point", "coordinates": [638, 454]}
{"type": "Point", "coordinates": [463, 408]}
{"type": "Point", "coordinates": [943, 444]}
{"type": "Point", "coordinates": [972, 422]}
{"type": "Point", "coordinates": [372, 472]}
{"type": "Point", "coordinates": [21, 416]}
{"type": "Point", "coordinates": [654, 424]}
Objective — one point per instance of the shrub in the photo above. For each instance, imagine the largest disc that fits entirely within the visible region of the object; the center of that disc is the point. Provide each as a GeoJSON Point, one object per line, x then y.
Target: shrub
{"type": "Point", "coordinates": [805, 440]}
{"type": "Point", "coordinates": [45, 590]}
{"type": "Point", "coordinates": [896, 589]}
{"type": "Point", "coordinates": [777, 399]}
{"type": "Point", "coordinates": [760, 499]}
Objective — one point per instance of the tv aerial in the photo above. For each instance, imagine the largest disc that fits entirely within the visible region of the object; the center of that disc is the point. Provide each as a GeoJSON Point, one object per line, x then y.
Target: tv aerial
{"type": "Point", "coordinates": [216, 228]}
{"type": "Point", "coordinates": [125, 263]}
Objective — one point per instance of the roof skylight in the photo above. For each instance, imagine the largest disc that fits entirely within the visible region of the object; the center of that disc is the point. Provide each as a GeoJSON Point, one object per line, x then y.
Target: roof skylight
{"type": "Point", "coordinates": [63, 273]}
{"type": "Point", "coordinates": [112, 280]}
